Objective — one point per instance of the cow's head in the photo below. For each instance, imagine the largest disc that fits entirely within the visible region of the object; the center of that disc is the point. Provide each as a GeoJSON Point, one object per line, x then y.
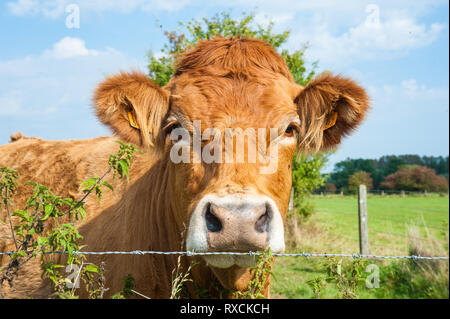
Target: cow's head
{"type": "Point", "coordinates": [229, 123]}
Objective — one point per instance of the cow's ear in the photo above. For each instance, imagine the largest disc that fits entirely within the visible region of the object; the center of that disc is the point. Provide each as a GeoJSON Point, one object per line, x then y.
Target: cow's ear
{"type": "Point", "coordinates": [330, 107]}
{"type": "Point", "coordinates": [133, 106]}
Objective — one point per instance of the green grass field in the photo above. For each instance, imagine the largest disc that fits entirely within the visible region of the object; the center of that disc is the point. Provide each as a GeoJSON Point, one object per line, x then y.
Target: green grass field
{"type": "Point", "coordinates": [334, 229]}
{"type": "Point", "coordinates": [388, 219]}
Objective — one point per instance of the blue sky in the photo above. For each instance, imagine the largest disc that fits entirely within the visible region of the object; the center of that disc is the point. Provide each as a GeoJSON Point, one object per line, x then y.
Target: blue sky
{"type": "Point", "coordinates": [398, 50]}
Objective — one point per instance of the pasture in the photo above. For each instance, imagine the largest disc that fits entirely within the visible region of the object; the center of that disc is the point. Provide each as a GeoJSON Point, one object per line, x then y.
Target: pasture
{"type": "Point", "coordinates": [395, 224]}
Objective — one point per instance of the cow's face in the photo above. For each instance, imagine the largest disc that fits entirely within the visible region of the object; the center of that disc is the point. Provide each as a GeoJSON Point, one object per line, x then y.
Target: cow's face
{"type": "Point", "coordinates": [229, 131]}
{"type": "Point", "coordinates": [235, 187]}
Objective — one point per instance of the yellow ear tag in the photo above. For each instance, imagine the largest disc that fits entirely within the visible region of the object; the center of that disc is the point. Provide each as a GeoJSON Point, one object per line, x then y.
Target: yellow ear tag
{"type": "Point", "coordinates": [332, 121]}
{"type": "Point", "coordinates": [132, 121]}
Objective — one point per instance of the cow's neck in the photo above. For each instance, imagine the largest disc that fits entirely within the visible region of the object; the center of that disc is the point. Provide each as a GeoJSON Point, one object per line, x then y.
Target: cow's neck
{"type": "Point", "coordinates": [161, 228]}
{"type": "Point", "coordinates": [151, 197]}
{"type": "Point", "coordinates": [144, 218]}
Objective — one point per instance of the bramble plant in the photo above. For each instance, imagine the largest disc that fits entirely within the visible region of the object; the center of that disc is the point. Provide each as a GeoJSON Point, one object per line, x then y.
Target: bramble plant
{"type": "Point", "coordinates": [127, 290]}
{"type": "Point", "coordinates": [347, 277]}
{"type": "Point", "coordinates": [316, 284]}
{"type": "Point", "coordinates": [347, 280]}
{"type": "Point", "coordinates": [260, 273]}
{"type": "Point", "coordinates": [8, 187]}
{"type": "Point", "coordinates": [32, 238]}
{"type": "Point", "coordinates": [306, 177]}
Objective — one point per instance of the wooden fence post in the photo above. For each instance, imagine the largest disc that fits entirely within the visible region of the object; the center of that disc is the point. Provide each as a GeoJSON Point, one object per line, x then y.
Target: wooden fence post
{"type": "Point", "coordinates": [363, 227]}
{"type": "Point", "coordinates": [291, 201]}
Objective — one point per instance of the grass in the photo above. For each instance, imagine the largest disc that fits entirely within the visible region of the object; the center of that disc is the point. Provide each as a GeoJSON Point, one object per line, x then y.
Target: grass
{"type": "Point", "coordinates": [388, 219]}
{"type": "Point", "coordinates": [397, 226]}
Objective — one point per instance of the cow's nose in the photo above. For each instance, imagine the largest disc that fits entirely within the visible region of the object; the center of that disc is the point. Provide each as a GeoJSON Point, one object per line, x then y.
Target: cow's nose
{"type": "Point", "coordinates": [237, 227]}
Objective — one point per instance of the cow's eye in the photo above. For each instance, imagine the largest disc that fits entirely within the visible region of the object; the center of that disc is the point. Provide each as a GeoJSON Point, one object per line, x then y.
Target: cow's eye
{"type": "Point", "coordinates": [291, 130]}
{"type": "Point", "coordinates": [171, 126]}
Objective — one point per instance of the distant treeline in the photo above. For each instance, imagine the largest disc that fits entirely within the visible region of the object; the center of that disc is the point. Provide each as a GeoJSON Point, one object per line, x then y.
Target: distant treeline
{"type": "Point", "coordinates": [386, 165]}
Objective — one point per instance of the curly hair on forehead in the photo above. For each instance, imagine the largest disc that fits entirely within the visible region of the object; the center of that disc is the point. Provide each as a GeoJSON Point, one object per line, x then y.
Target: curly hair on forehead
{"type": "Point", "coordinates": [235, 55]}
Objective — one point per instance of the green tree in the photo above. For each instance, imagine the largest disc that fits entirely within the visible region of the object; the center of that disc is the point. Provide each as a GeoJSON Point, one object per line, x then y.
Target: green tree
{"type": "Point", "coordinates": [386, 165]}
{"type": "Point", "coordinates": [344, 169]}
{"type": "Point", "coordinates": [306, 177]}
{"type": "Point", "coordinates": [416, 178]}
{"type": "Point", "coordinates": [359, 178]}
{"type": "Point", "coordinates": [330, 188]}
{"type": "Point", "coordinates": [161, 67]}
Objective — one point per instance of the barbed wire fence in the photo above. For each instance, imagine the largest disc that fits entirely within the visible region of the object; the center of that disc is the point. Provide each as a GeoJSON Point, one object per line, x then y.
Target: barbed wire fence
{"type": "Point", "coordinates": [250, 253]}
{"type": "Point", "coordinates": [362, 255]}
{"type": "Point", "coordinates": [364, 249]}
{"type": "Point", "coordinates": [380, 192]}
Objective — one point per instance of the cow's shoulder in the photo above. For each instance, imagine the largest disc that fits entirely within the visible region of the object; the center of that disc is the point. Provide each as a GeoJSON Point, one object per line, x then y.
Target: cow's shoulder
{"type": "Point", "coordinates": [60, 165]}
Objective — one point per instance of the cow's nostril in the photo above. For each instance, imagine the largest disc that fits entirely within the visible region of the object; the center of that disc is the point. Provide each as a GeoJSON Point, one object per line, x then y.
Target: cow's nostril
{"type": "Point", "coordinates": [262, 224]}
{"type": "Point", "coordinates": [212, 222]}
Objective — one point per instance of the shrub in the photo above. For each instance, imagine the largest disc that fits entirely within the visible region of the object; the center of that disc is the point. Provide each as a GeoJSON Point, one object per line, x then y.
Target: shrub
{"type": "Point", "coordinates": [416, 178]}
{"type": "Point", "coordinates": [162, 67]}
{"type": "Point", "coordinates": [417, 278]}
{"type": "Point", "coordinates": [306, 177]}
{"type": "Point", "coordinates": [47, 225]}
{"type": "Point", "coordinates": [359, 178]}
{"type": "Point", "coordinates": [330, 188]}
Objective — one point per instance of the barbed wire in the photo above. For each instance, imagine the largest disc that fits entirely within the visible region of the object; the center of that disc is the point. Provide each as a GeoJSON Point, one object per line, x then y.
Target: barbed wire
{"type": "Point", "coordinates": [250, 253]}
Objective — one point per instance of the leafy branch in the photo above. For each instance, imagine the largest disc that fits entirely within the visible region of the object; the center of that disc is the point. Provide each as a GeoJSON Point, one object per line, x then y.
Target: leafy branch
{"type": "Point", "coordinates": [345, 277]}
{"type": "Point", "coordinates": [8, 187]}
{"type": "Point", "coordinates": [260, 273]}
{"type": "Point", "coordinates": [43, 207]}
{"type": "Point", "coordinates": [161, 67]}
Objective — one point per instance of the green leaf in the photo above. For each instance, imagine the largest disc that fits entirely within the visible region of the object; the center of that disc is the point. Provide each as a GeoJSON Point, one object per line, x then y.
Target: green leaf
{"type": "Point", "coordinates": [124, 166]}
{"type": "Point", "coordinates": [108, 185]}
{"type": "Point", "coordinates": [20, 233]}
{"type": "Point", "coordinates": [88, 184]}
{"type": "Point", "coordinates": [92, 268]}
{"type": "Point", "coordinates": [20, 253]}
{"type": "Point", "coordinates": [42, 241]}
{"type": "Point", "coordinates": [47, 211]}
{"type": "Point", "coordinates": [82, 212]}
{"type": "Point", "coordinates": [22, 214]}
{"type": "Point", "coordinates": [30, 183]}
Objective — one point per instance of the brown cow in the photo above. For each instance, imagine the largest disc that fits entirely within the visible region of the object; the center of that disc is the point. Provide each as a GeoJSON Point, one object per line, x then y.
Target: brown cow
{"type": "Point", "coordinates": [170, 205]}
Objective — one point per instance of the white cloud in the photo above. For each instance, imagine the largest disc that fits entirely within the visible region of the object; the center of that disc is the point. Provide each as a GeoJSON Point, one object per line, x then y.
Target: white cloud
{"type": "Point", "coordinates": [58, 78]}
{"type": "Point", "coordinates": [424, 98]}
{"type": "Point", "coordinates": [69, 47]}
{"type": "Point", "coordinates": [49, 94]}
{"type": "Point", "coordinates": [408, 117]}
{"type": "Point", "coordinates": [11, 103]}
{"type": "Point", "coordinates": [380, 39]}
{"type": "Point", "coordinates": [337, 32]}
{"type": "Point", "coordinates": [55, 9]}
{"type": "Point", "coordinates": [164, 5]}
{"type": "Point", "coordinates": [48, 8]}
{"type": "Point", "coordinates": [280, 20]}
{"type": "Point", "coordinates": [22, 7]}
